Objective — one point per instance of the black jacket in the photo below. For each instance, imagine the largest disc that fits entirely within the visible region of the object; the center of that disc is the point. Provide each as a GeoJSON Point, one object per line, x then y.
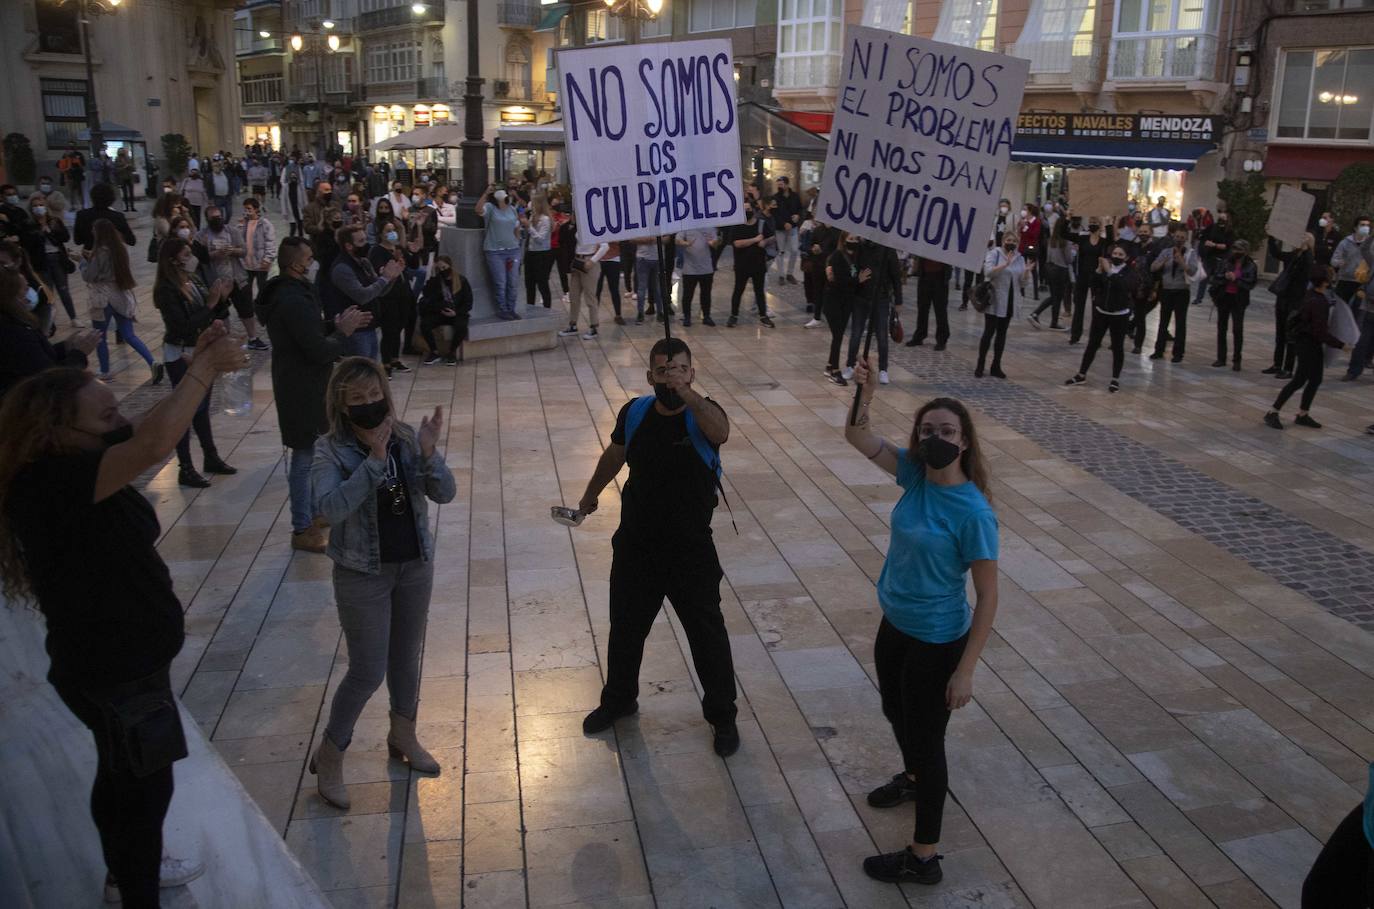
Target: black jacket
{"type": "Point", "coordinates": [24, 351]}
{"type": "Point", "coordinates": [184, 322]}
{"type": "Point", "coordinates": [789, 205]}
{"type": "Point", "coordinates": [84, 234]}
{"type": "Point", "coordinates": [1297, 271]}
{"type": "Point", "coordinates": [433, 301]}
{"type": "Point", "coordinates": [845, 284]}
{"type": "Point", "coordinates": [886, 282]}
{"type": "Point", "coordinates": [304, 348]}
{"type": "Point", "coordinates": [1248, 274]}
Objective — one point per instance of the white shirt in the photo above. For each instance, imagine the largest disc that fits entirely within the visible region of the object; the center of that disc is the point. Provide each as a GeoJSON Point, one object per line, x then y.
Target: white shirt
{"type": "Point", "coordinates": [596, 250]}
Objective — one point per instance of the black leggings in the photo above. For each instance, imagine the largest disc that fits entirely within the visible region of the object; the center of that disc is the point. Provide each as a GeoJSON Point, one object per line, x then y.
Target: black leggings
{"type": "Point", "coordinates": [1057, 277]}
{"type": "Point", "coordinates": [994, 334]}
{"type": "Point", "coordinates": [398, 317]}
{"type": "Point", "coordinates": [538, 265]}
{"type": "Point", "coordinates": [689, 284]}
{"type": "Point", "coordinates": [1228, 310]}
{"type": "Point", "coordinates": [460, 332]}
{"type": "Point", "coordinates": [1082, 289]}
{"type": "Point", "coordinates": [1308, 376]}
{"type": "Point", "coordinates": [1284, 350]}
{"type": "Point", "coordinates": [128, 810]}
{"type": "Point", "coordinates": [912, 678]}
{"type": "Point", "coordinates": [176, 370]}
{"type": "Point", "coordinates": [1173, 304]}
{"type": "Point", "coordinates": [1342, 877]}
{"type": "Point", "coordinates": [743, 277]}
{"type": "Point", "coordinates": [932, 292]}
{"type": "Point", "coordinates": [1102, 324]}
{"type": "Point", "coordinates": [837, 313]}
{"type": "Point", "coordinates": [610, 276]}
{"type": "Point", "coordinates": [126, 188]}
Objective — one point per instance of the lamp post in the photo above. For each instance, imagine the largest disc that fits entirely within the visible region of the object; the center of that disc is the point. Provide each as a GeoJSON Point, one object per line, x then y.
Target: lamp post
{"type": "Point", "coordinates": [474, 145]}
{"type": "Point", "coordinates": [634, 12]}
{"type": "Point", "coordinates": [319, 43]}
{"type": "Point", "coordinates": [85, 9]}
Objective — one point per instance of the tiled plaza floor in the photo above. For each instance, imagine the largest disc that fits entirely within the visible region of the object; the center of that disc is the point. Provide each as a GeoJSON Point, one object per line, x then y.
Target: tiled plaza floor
{"type": "Point", "coordinates": [1174, 710]}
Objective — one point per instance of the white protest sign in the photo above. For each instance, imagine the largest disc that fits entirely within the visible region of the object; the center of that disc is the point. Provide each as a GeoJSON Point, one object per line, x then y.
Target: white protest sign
{"type": "Point", "coordinates": [920, 144]}
{"type": "Point", "coordinates": [1289, 216]}
{"type": "Point", "coordinates": [652, 136]}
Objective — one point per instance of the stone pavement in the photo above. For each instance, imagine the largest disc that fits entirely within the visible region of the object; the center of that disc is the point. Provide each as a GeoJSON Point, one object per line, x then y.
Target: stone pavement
{"type": "Point", "coordinates": [1174, 709]}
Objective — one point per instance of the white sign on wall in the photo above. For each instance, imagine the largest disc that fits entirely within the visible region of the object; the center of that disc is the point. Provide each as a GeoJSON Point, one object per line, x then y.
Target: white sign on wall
{"type": "Point", "coordinates": [920, 144]}
{"type": "Point", "coordinates": [652, 137]}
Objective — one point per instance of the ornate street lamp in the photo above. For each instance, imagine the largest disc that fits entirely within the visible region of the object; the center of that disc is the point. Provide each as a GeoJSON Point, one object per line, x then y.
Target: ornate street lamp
{"type": "Point", "coordinates": [85, 9]}
{"type": "Point", "coordinates": [321, 40]}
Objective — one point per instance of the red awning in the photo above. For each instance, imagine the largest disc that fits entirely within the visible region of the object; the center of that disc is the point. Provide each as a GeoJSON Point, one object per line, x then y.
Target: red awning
{"type": "Point", "coordinates": [815, 121]}
{"type": "Point", "coordinates": [1307, 162]}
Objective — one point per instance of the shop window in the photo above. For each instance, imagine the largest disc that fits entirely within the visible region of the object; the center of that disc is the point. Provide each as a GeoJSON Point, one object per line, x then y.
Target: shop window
{"type": "Point", "coordinates": [1057, 34]}
{"type": "Point", "coordinates": [968, 23]}
{"type": "Point", "coordinates": [59, 32]}
{"type": "Point", "coordinates": [64, 110]}
{"type": "Point", "coordinates": [661, 27]}
{"type": "Point", "coordinates": [710, 15]}
{"type": "Point", "coordinates": [1326, 94]}
{"type": "Point", "coordinates": [809, 51]}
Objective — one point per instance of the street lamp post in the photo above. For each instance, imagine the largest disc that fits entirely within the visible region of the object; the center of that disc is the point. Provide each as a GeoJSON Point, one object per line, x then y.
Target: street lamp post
{"type": "Point", "coordinates": [84, 10]}
{"type": "Point", "coordinates": [474, 145]}
{"type": "Point", "coordinates": [319, 45]}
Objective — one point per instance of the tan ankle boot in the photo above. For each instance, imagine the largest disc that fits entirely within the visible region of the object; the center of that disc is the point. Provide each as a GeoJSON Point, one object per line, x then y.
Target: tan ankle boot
{"type": "Point", "coordinates": [327, 764]}
{"type": "Point", "coordinates": [312, 539]}
{"type": "Point", "coordinates": [403, 744]}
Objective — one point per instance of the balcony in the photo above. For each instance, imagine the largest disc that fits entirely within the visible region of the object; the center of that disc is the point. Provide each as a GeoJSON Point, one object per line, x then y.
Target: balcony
{"type": "Point", "coordinates": [396, 16]}
{"type": "Point", "coordinates": [261, 90]}
{"type": "Point", "coordinates": [819, 73]}
{"type": "Point", "coordinates": [1173, 57]}
{"type": "Point", "coordinates": [518, 14]}
{"type": "Point", "coordinates": [435, 88]}
{"type": "Point", "coordinates": [1061, 64]}
{"type": "Point", "coordinates": [258, 46]}
{"type": "Point", "coordinates": [517, 90]}
{"type": "Point", "coordinates": [336, 94]}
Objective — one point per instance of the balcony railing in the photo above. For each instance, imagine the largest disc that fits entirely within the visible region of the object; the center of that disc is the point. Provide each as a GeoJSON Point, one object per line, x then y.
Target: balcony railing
{"type": "Point", "coordinates": [1176, 57]}
{"type": "Point", "coordinates": [393, 16]}
{"type": "Point", "coordinates": [814, 71]}
{"type": "Point", "coordinates": [1059, 59]}
{"type": "Point", "coordinates": [259, 45]}
{"type": "Point", "coordinates": [517, 90]}
{"type": "Point", "coordinates": [518, 14]}
{"type": "Point", "coordinates": [261, 91]}
{"type": "Point", "coordinates": [335, 93]}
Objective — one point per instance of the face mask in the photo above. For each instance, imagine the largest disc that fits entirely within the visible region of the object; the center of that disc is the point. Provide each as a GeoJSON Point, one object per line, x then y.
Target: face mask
{"type": "Point", "coordinates": [391, 236]}
{"type": "Point", "coordinates": [167, 189]}
{"type": "Point", "coordinates": [216, 223]}
{"type": "Point", "coordinates": [12, 199]}
{"type": "Point", "coordinates": [1002, 209]}
{"type": "Point", "coordinates": [312, 270]}
{"type": "Point", "coordinates": [354, 206]}
{"type": "Point", "coordinates": [336, 223]}
{"type": "Point", "coordinates": [937, 453]}
{"type": "Point", "coordinates": [40, 210]}
{"type": "Point", "coordinates": [1094, 228]}
{"type": "Point", "coordinates": [184, 233]}
{"type": "Point", "coordinates": [368, 416]}
{"type": "Point", "coordinates": [117, 436]}
{"type": "Point", "coordinates": [1009, 249]}
{"type": "Point", "coordinates": [1321, 222]}
{"type": "Point", "coordinates": [666, 396]}
{"type": "Point", "coordinates": [31, 299]}
{"type": "Point", "coordinates": [452, 200]}
{"type": "Point", "coordinates": [1363, 230]}
{"type": "Point", "coordinates": [415, 197]}
{"type": "Point", "coordinates": [1130, 206]}
{"type": "Point", "coordinates": [45, 187]}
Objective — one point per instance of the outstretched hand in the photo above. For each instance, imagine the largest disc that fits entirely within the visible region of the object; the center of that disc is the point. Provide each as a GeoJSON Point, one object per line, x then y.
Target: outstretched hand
{"type": "Point", "coordinates": [431, 428]}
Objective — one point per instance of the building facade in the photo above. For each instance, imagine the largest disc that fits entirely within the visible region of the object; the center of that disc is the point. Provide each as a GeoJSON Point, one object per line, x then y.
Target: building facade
{"type": "Point", "coordinates": [160, 66]}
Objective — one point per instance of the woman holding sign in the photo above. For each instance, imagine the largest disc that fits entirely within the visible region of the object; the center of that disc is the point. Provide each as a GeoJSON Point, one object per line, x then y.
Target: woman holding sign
{"type": "Point", "coordinates": [928, 643]}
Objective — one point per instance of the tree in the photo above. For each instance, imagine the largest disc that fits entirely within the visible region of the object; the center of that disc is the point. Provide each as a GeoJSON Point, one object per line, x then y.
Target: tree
{"type": "Point", "coordinates": [19, 159]}
{"type": "Point", "coordinates": [1352, 194]}
{"type": "Point", "coordinates": [1249, 209]}
{"type": "Point", "coordinates": [176, 152]}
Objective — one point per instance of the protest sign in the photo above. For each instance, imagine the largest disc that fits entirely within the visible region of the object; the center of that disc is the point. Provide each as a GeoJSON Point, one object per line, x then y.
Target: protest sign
{"type": "Point", "coordinates": [652, 136]}
{"type": "Point", "coordinates": [1098, 192]}
{"type": "Point", "coordinates": [1290, 214]}
{"type": "Point", "coordinates": [920, 144]}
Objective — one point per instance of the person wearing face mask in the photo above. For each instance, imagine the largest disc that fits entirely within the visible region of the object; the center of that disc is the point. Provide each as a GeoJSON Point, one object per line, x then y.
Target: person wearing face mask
{"type": "Point", "coordinates": [1092, 248]}
{"type": "Point", "coordinates": [447, 301]}
{"type": "Point", "coordinates": [879, 295]}
{"type": "Point", "coordinates": [1289, 289]}
{"type": "Point", "coordinates": [1354, 261]}
{"type": "Point", "coordinates": [1308, 330]}
{"type": "Point", "coordinates": [748, 240]}
{"type": "Point", "coordinates": [305, 346]}
{"type": "Point", "coordinates": [501, 244]}
{"type": "Point", "coordinates": [356, 282]}
{"type": "Point", "coordinates": [372, 479]}
{"type": "Point", "coordinates": [225, 246]}
{"type": "Point", "coordinates": [396, 199]}
{"type": "Point", "coordinates": [1176, 266]}
{"type": "Point", "coordinates": [354, 212]}
{"type": "Point", "coordinates": [1056, 251]}
{"type": "Point", "coordinates": [586, 270]}
{"type": "Point", "coordinates": [944, 530]}
{"type": "Point", "coordinates": [293, 196]}
{"type": "Point", "coordinates": [196, 193]}
{"type": "Point", "coordinates": [447, 207]}
{"type": "Point", "coordinates": [259, 245]}
{"type": "Point", "coordinates": [539, 253]}
{"type": "Point", "coordinates": [1236, 274]}
{"type": "Point", "coordinates": [54, 262]}
{"type": "Point", "coordinates": [1363, 352]}
{"type": "Point", "coordinates": [1328, 237]}
{"type": "Point", "coordinates": [1005, 269]}
{"type": "Point", "coordinates": [841, 287]}
{"type": "Point", "coordinates": [671, 441]}
{"type": "Point", "coordinates": [1117, 284]}
{"type": "Point", "coordinates": [321, 212]}
{"type": "Point", "coordinates": [1216, 240]}
{"type": "Point", "coordinates": [396, 307]}
{"type": "Point", "coordinates": [24, 347]}
{"type": "Point", "coordinates": [258, 175]}
{"type": "Point", "coordinates": [114, 625]}
{"type": "Point", "coordinates": [1030, 229]}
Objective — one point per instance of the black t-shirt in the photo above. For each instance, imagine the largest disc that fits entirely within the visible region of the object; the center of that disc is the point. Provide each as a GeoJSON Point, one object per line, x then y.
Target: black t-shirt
{"type": "Point", "coordinates": [396, 535]}
{"type": "Point", "coordinates": [750, 258]}
{"type": "Point", "coordinates": [112, 613]}
{"type": "Point", "coordinates": [671, 492]}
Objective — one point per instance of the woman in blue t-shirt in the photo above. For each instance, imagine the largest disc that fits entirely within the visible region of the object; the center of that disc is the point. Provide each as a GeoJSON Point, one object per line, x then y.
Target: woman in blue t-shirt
{"type": "Point", "coordinates": [942, 529]}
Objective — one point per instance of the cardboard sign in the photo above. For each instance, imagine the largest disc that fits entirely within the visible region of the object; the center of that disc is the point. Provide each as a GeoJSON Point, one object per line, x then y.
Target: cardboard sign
{"type": "Point", "coordinates": [652, 135]}
{"type": "Point", "coordinates": [1098, 192]}
{"type": "Point", "coordinates": [1289, 215]}
{"type": "Point", "coordinates": [920, 144]}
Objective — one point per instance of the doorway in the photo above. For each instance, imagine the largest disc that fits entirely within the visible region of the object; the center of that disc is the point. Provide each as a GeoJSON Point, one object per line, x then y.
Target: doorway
{"type": "Point", "coordinates": [207, 140]}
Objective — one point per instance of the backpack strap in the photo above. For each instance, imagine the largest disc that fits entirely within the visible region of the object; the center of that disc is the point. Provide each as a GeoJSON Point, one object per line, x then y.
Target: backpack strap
{"type": "Point", "coordinates": [639, 409]}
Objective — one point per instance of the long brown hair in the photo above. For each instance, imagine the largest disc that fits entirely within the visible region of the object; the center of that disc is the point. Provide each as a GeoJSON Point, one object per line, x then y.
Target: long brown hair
{"type": "Point", "coordinates": [31, 416]}
{"type": "Point", "coordinates": [168, 269]}
{"type": "Point", "coordinates": [455, 280]}
{"type": "Point", "coordinates": [348, 372]}
{"type": "Point", "coordinates": [974, 465]}
{"type": "Point", "coordinates": [107, 238]}
{"type": "Point", "coordinates": [12, 284]}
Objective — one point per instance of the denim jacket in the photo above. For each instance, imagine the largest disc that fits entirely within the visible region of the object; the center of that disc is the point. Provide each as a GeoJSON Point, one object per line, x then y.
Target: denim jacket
{"type": "Point", "coordinates": [344, 481]}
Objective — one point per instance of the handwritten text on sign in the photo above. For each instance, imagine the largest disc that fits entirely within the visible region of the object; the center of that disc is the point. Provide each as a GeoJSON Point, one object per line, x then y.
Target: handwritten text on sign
{"type": "Point", "coordinates": [652, 138]}
{"type": "Point", "coordinates": [920, 144]}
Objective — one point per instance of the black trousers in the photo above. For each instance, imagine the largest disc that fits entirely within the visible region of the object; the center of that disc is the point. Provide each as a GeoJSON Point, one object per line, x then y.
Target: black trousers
{"type": "Point", "coordinates": [813, 286]}
{"type": "Point", "coordinates": [128, 811]}
{"type": "Point", "coordinates": [200, 422]}
{"type": "Point", "coordinates": [864, 312]}
{"type": "Point", "coordinates": [743, 277]}
{"type": "Point", "coordinates": [1082, 290]}
{"type": "Point", "coordinates": [1142, 309]}
{"type": "Point", "coordinates": [689, 577]}
{"type": "Point", "coordinates": [994, 335]}
{"type": "Point", "coordinates": [126, 189]}
{"type": "Point", "coordinates": [609, 277]}
{"type": "Point", "coordinates": [912, 678]}
{"type": "Point", "coordinates": [257, 283]}
{"type": "Point", "coordinates": [1342, 877]}
{"type": "Point", "coordinates": [1229, 311]}
{"type": "Point", "coordinates": [538, 265]}
{"type": "Point", "coordinates": [689, 284]}
{"type": "Point", "coordinates": [460, 332]}
{"type": "Point", "coordinates": [1057, 277]}
{"type": "Point", "coordinates": [1173, 304]}
{"type": "Point", "coordinates": [1308, 376]}
{"type": "Point", "coordinates": [397, 318]}
{"type": "Point", "coordinates": [1102, 324]}
{"type": "Point", "coordinates": [837, 314]}
{"type": "Point", "coordinates": [1284, 352]}
{"type": "Point", "coordinates": [564, 269]}
{"type": "Point", "coordinates": [932, 293]}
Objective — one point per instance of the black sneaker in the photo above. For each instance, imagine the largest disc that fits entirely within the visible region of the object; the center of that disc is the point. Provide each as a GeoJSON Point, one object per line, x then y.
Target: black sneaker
{"type": "Point", "coordinates": [604, 717]}
{"type": "Point", "coordinates": [1303, 419]}
{"type": "Point", "coordinates": [1269, 371]}
{"type": "Point", "coordinates": [904, 868]}
{"type": "Point", "coordinates": [569, 332]}
{"type": "Point", "coordinates": [940, 346]}
{"type": "Point", "coordinates": [1271, 419]}
{"type": "Point", "coordinates": [892, 793]}
{"type": "Point", "coordinates": [1218, 364]}
{"type": "Point", "coordinates": [450, 361]}
{"type": "Point", "coordinates": [1075, 380]}
{"type": "Point", "coordinates": [1157, 355]}
{"type": "Point", "coordinates": [188, 477]}
{"type": "Point", "coordinates": [1283, 374]}
{"type": "Point", "coordinates": [731, 322]}
{"type": "Point", "coordinates": [431, 359]}
{"type": "Point", "coordinates": [707, 320]}
{"type": "Point", "coordinates": [399, 366]}
{"type": "Point", "coordinates": [1113, 386]}
{"type": "Point", "coordinates": [766, 321]}
{"type": "Point", "coordinates": [726, 740]}
{"type": "Point", "coordinates": [257, 344]}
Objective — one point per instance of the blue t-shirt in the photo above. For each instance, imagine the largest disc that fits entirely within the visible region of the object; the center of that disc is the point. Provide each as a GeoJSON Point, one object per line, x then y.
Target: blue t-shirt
{"type": "Point", "coordinates": [501, 227]}
{"type": "Point", "coordinates": [937, 531]}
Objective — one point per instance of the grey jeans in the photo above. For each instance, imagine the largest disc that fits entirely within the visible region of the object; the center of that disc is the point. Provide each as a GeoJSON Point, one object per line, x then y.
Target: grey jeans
{"type": "Point", "coordinates": [383, 618]}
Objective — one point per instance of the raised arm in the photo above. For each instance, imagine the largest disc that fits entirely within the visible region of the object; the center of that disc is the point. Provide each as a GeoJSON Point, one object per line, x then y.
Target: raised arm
{"type": "Point", "coordinates": [871, 445]}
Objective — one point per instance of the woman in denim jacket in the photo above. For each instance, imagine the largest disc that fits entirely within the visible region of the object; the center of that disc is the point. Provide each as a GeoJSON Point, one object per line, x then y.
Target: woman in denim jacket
{"type": "Point", "coordinates": [370, 479]}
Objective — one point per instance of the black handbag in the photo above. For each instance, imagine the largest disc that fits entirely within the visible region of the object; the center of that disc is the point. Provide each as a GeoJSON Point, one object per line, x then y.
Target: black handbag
{"type": "Point", "coordinates": [68, 266]}
{"type": "Point", "coordinates": [982, 296]}
{"type": "Point", "coordinates": [154, 246]}
{"type": "Point", "coordinates": [148, 731]}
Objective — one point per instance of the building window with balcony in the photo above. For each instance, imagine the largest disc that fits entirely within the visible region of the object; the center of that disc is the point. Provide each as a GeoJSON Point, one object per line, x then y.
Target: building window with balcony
{"type": "Point", "coordinates": [968, 23]}
{"type": "Point", "coordinates": [602, 27]}
{"type": "Point", "coordinates": [58, 30]}
{"type": "Point", "coordinates": [264, 89]}
{"type": "Point", "coordinates": [1165, 39]}
{"type": "Point", "coordinates": [711, 15]}
{"type": "Point", "coordinates": [1327, 94]}
{"type": "Point", "coordinates": [660, 27]}
{"type": "Point", "coordinates": [372, 6]}
{"type": "Point", "coordinates": [1058, 36]}
{"type": "Point", "coordinates": [809, 35]}
{"type": "Point", "coordinates": [398, 61]}
{"type": "Point", "coordinates": [64, 110]}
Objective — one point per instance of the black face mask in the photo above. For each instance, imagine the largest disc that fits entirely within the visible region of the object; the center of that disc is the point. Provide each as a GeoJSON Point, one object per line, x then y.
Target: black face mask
{"type": "Point", "coordinates": [667, 397]}
{"type": "Point", "coordinates": [116, 436]}
{"type": "Point", "coordinates": [216, 223]}
{"type": "Point", "coordinates": [937, 453]}
{"type": "Point", "coordinates": [368, 416]}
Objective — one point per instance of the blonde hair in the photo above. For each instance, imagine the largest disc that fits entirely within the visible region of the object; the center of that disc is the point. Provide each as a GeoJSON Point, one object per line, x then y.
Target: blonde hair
{"type": "Point", "coordinates": [349, 372]}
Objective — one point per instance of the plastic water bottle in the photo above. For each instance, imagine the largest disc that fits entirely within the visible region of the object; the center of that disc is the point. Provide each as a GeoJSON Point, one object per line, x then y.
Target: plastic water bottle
{"type": "Point", "coordinates": [236, 391]}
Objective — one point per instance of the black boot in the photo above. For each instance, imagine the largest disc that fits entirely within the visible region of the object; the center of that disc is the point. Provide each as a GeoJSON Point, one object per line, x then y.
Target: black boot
{"type": "Point", "coordinates": [188, 477]}
{"type": "Point", "coordinates": [215, 464]}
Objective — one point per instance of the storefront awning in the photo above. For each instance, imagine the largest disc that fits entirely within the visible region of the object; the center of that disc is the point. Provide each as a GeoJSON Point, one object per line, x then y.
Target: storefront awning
{"type": "Point", "coordinates": [532, 135]}
{"type": "Point", "coordinates": [1109, 152]}
{"type": "Point", "coordinates": [552, 16]}
{"type": "Point", "coordinates": [1312, 162]}
{"type": "Point", "coordinates": [766, 132]}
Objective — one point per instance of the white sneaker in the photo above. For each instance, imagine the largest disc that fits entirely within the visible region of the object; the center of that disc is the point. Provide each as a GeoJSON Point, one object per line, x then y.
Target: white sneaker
{"type": "Point", "coordinates": [569, 332]}
{"type": "Point", "coordinates": [814, 323]}
{"type": "Point", "coordinates": [847, 373]}
{"type": "Point", "coordinates": [590, 334]}
{"type": "Point", "coordinates": [882, 377]}
{"type": "Point", "coordinates": [565, 299]}
{"type": "Point", "coordinates": [174, 872]}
